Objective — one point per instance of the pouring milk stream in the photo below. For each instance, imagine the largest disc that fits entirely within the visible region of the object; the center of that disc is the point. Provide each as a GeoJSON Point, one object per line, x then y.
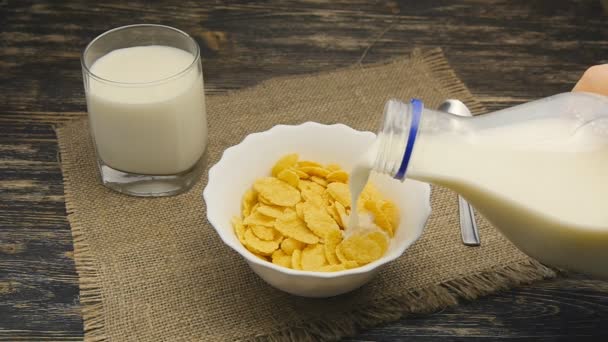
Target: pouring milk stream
{"type": "Point", "coordinates": [538, 171]}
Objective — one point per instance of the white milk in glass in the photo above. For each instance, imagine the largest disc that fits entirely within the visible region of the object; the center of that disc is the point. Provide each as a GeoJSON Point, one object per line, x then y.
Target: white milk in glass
{"type": "Point", "coordinates": [150, 119]}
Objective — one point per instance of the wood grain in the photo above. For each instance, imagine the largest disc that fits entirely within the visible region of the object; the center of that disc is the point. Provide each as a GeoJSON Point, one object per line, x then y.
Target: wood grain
{"type": "Point", "coordinates": [548, 311]}
{"type": "Point", "coordinates": [506, 53]}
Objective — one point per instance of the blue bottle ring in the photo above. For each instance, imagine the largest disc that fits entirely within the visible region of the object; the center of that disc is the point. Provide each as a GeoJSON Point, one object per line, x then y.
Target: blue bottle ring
{"type": "Point", "coordinates": [417, 107]}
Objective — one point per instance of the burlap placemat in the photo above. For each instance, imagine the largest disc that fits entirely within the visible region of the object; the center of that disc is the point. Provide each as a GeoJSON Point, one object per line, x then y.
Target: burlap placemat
{"type": "Point", "coordinates": [154, 269]}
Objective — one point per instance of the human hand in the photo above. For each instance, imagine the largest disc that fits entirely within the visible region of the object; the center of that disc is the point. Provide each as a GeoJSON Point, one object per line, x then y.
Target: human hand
{"type": "Point", "coordinates": [594, 80]}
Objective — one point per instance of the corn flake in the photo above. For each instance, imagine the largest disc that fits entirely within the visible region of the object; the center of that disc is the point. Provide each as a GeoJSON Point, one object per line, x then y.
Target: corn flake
{"type": "Point", "coordinates": [340, 192]}
{"type": "Point", "coordinates": [332, 268]}
{"type": "Point", "coordinates": [254, 208]}
{"type": "Point", "coordinates": [342, 214]}
{"type": "Point", "coordinates": [293, 227]}
{"type": "Point", "coordinates": [348, 264]}
{"type": "Point", "coordinates": [338, 176]}
{"type": "Point", "coordinates": [290, 177]}
{"type": "Point", "coordinates": [312, 198]}
{"type": "Point", "coordinates": [332, 240]}
{"type": "Point", "coordinates": [362, 248]}
{"type": "Point", "coordinates": [270, 210]}
{"type": "Point", "coordinates": [327, 198]}
{"type": "Point", "coordinates": [276, 192]}
{"type": "Point", "coordinates": [285, 162]}
{"type": "Point", "coordinates": [300, 174]}
{"type": "Point", "coordinates": [302, 163]}
{"type": "Point", "coordinates": [278, 237]}
{"type": "Point", "coordinates": [380, 239]}
{"type": "Point", "coordinates": [321, 181]}
{"type": "Point", "coordinates": [340, 255]}
{"type": "Point", "coordinates": [239, 229]}
{"type": "Point", "coordinates": [257, 218]}
{"type": "Point", "coordinates": [280, 258]}
{"type": "Point", "coordinates": [370, 192]}
{"type": "Point", "coordinates": [289, 211]}
{"type": "Point", "coordinates": [313, 257]}
{"type": "Point", "coordinates": [307, 185]}
{"type": "Point", "coordinates": [392, 213]}
{"type": "Point", "coordinates": [331, 210]}
{"type": "Point", "coordinates": [249, 200]}
{"type": "Point", "coordinates": [319, 221]}
{"type": "Point", "coordinates": [259, 246]}
{"type": "Point", "coordinates": [300, 209]}
{"type": "Point", "coordinates": [380, 218]}
{"type": "Point", "coordinates": [315, 171]}
{"type": "Point", "coordinates": [296, 259]}
{"type": "Point", "coordinates": [263, 200]}
{"type": "Point", "coordinates": [264, 233]}
{"type": "Point", "coordinates": [289, 245]}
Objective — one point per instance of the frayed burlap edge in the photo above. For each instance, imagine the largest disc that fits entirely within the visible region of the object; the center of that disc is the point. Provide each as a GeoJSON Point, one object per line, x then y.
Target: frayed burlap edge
{"type": "Point", "coordinates": [384, 310]}
{"type": "Point", "coordinates": [91, 298]}
{"type": "Point", "coordinates": [419, 301]}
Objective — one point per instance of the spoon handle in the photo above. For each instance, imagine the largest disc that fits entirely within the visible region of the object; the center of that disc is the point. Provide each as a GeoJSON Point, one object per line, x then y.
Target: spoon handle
{"type": "Point", "coordinates": [468, 226]}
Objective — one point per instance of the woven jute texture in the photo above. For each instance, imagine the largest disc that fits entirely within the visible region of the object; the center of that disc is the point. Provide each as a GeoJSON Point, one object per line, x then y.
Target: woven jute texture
{"type": "Point", "coordinates": [153, 269]}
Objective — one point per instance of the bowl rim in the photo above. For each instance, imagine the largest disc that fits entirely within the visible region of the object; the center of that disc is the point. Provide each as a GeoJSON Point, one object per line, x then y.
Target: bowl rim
{"type": "Point", "coordinates": [251, 258]}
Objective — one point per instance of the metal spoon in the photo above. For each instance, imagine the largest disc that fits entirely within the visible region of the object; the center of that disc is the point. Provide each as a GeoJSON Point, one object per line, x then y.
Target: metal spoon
{"type": "Point", "coordinates": [468, 226]}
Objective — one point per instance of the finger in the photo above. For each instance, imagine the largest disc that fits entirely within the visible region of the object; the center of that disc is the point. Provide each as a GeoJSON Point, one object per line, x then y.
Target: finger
{"type": "Point", "coordinates": [594, 80]}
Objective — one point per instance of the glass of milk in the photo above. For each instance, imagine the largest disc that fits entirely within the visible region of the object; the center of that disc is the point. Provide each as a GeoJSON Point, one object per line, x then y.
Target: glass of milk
{"type": "Point", "coordinates": [146, 104]}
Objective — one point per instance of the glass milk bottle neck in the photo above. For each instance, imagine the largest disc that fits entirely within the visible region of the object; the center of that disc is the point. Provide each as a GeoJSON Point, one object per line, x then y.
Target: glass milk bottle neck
{"type": "Point", "coordinates": [407, 136]}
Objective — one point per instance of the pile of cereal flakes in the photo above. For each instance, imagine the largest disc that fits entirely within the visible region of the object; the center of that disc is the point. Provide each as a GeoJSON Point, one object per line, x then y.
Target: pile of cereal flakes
{"type": "Point", "coordinates": [297, 218]}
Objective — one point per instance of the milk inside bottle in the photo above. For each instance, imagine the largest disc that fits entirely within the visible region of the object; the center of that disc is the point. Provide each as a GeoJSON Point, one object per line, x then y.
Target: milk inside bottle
{"type": "Point", "coordinates": [538, 172]}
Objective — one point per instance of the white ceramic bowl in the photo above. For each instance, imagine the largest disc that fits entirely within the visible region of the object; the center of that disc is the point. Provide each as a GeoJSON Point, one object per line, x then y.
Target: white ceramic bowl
{"type": "Point", "coordinates": [253, 158]}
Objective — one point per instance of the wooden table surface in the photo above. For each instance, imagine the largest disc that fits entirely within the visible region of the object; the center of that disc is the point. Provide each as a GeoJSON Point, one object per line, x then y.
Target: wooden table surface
{"type": "Point", "coordinates": [506, 53]}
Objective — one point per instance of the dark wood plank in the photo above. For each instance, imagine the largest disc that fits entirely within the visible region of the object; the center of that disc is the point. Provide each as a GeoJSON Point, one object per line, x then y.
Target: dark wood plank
{"type": "Point", "coordinates": [572, 308]}
{"type": "Point", "coordinates": [506, 52]}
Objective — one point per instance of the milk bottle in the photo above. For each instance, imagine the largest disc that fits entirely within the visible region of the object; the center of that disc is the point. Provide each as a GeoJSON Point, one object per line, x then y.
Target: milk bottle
{"type": "Point", "coordinates": [538, 171]}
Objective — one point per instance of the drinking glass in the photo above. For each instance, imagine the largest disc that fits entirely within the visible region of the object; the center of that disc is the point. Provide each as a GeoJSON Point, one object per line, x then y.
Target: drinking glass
{"type": "Point", "coordinates": [150, 135]}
